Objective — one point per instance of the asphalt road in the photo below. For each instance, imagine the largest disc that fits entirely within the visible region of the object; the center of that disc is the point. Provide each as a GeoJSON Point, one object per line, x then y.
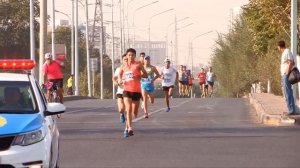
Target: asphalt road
{"type": "Point", "coordinates": [195, 133]}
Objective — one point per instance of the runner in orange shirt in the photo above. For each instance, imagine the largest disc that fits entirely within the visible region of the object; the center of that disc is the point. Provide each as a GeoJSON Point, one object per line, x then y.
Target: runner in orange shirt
{"type": "Point", "coordinates": [132, 87]}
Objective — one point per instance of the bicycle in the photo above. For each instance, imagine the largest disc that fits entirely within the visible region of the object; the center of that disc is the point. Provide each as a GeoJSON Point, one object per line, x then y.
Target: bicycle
{"type": "Point", "coordinates": [52, 97]}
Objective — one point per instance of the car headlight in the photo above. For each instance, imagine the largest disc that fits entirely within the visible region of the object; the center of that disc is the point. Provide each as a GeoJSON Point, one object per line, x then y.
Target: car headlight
{"type": "Point", "coordinates": [30, 137]}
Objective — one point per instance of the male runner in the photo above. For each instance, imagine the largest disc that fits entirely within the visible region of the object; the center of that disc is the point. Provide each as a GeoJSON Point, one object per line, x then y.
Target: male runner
{"type": "Point", "coordinates": [169, 76]}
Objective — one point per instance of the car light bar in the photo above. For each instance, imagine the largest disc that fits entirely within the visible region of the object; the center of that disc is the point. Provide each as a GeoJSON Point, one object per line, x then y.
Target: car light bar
{"type": "Point", "coordinates": [18, 64]}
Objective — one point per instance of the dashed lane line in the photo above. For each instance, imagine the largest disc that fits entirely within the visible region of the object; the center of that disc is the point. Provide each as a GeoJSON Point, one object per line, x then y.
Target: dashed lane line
{"type": "Point", "coordinates": [158, 110]}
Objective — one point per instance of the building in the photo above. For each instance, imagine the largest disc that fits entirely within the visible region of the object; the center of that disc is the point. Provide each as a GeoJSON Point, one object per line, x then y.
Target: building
{"type": "Point", "coordinates": [157, 50]}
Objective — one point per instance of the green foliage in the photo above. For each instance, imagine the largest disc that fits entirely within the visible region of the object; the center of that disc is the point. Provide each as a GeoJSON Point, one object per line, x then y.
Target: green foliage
{"type": "Point", "coordinates": [15, 27]}
{"type": "Point", "coordinates": [63, 36]}
{"type": "Point", "coordinates": [248, 53]}
{"type": "Point", "coordinates": [231, 61]}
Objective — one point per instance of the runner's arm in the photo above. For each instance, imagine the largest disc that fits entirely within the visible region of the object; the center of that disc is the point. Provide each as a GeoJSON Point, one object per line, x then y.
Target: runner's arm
{"type": "Point", "coordinates": [177, 76]}
{"type": "Point", "coordinates": [115, 79]}
{"type": "Point", "coordinates": [157, 75]}
{"type": "Point", "coordinates": [44, 77]}
{"type": "Point", "coordinates": [119, 81]}
{"type": "Point", "coordinates": [144, 75]}
{"type": "Point", "coordinates": [290, 66]}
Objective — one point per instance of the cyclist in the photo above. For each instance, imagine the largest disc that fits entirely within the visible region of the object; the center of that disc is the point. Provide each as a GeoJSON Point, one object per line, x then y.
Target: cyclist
{"type": "Point", "coordinates": [52, 71]}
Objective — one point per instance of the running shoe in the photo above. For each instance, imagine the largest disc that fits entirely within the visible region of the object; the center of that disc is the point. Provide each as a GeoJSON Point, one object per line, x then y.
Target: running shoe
{"type": "Point", "coordinates": [146, 115]}
{"type": "Point", "coordinates": [167, 109]}
{"type": "Point", "coordinates": [122, 118]}
{"type": "Point", "coordinates": [125, 133]}
{"type": "Point", "coordinates": [130, 133]}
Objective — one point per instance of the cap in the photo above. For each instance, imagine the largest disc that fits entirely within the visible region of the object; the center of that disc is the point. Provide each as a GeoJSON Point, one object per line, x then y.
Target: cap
{"type": "Point", "coordinates": [48, 56]}
{"type": "Point", "coordinates": [167, 60]}
{"type": "Point", "coordinates": [147, 57]}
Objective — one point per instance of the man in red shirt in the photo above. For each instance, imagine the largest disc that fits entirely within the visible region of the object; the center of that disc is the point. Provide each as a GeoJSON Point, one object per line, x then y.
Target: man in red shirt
{"type": "Point", "coordinates": [52, 71]}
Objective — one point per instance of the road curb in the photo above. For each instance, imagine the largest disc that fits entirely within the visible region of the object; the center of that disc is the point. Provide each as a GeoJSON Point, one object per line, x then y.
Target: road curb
{"type": "Point", "coordinates": [71, 98]}
{"type": "Point", "coordinates": [263, 116]}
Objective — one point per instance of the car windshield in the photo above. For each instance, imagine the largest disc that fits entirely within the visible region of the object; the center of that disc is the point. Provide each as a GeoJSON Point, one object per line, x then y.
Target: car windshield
{"type": "Point", "coordinates": [17, 97]}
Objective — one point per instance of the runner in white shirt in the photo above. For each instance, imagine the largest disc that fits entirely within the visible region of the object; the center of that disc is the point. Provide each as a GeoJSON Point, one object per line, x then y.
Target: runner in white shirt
{"type": "Point", "coordinates": [169, 77]}
{"type": "Point", "coordinates": [121, 106]}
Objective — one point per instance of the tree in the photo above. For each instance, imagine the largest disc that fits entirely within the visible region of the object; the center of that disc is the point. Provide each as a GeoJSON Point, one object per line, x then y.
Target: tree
{"type": "Point", "coordinates": [15, 27]}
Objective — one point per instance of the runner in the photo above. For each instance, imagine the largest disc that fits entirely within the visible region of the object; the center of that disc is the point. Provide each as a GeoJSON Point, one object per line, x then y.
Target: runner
{"type": "Point", "coordinates": [121, 106]}
{"type": "Point", "coordinates": [169, 76]}
{"type": "Point", "coordinates": [148, 85]}
{"type": "Point", "coordinates": [185, 81]}
{"type": "Point", "coordinates": [180, 79]}
{"type": "Point", "coordinates": [202, 82]}
{"type": "Point", "coordinates": [190, 79]}
{"type": "Point", "coordinates": [210, 80]}
{"type": "Point", "coordinates": [142, 56]}
{"type": "Point", "coordinates": [132, 87]}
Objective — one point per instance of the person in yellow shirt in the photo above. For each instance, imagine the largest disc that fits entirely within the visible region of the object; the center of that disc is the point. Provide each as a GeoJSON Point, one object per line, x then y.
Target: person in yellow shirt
{"type": "Point", "coordinates": [70, 85]}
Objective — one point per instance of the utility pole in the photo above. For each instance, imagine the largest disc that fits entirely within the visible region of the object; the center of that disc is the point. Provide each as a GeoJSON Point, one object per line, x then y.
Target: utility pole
{"type": "Point", "coordinates": [53, 30]}
{"type": "Point", "coordinates": [32, 40]}
{"type": "Point", "coordinates": [98, 37]}
{"type": "Point", "coordinates": [294, 43]}
{"type": "Point", "coordinates": [72, 40]}
{"type": "Point", "coordinates": [87, 47]}
{"type": "Point", "coordinates": [101, 49]}
{"type": "Point", "coordinates": [113, 46]}
{"type": "Point", "coordinates": [43, 37]}
{"type": "Point", "coordinates": [76, 51]}
{"type": "Point", "coordinates": [121, 31]}
{"type": "Point", "coordinates": [176, 43]}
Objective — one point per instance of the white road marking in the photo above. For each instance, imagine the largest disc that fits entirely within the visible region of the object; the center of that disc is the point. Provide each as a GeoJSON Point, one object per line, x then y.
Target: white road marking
{"type": "Point", "coordinates": [159, 110]}
{"type": "Point", "coordinates": [88, 109]}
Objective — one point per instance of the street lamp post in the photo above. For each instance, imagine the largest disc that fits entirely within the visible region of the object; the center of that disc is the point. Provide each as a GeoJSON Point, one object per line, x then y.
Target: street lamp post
{"type": "Point", "coordinates": [294, 43]}
{"type": "Point", "coordinates": [72, 35]}
{"type": "Point", "coordinates": [177, 37]}
{"type": "Point", "coordinates": [149, 26]}
{"type": "Point", "coordinates": [72, 40]}
{"type": "Point", "coordinates": [133, 19]}
{"type": "Point", "coordinates": [128, 41]}
{"type": "Point", "coordinates": [167, 35]}
{"type": "Point", "coordinates": [87, 48]}
{"type": "Point", "coordinates": [76, 67]}
{"type": "Point", "coordinates": [113, 46]}
{"type": "Point", "coordinates": [181, 29]}
{"type": "Point", "coordinates": [191, 53]}
{"type": "Point", "coordinates": [32, 40]}
{"type": "Point", "coordinates": [53, 29]}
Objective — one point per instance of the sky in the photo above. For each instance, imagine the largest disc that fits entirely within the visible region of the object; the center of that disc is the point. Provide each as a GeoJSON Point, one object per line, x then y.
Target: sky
{"type": "Point", "coordinates": [204, 16]}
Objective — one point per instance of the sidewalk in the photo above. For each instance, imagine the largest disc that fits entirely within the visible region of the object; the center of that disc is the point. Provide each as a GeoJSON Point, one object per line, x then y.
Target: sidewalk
{"type": "Point", "coordinates": [269, 109]}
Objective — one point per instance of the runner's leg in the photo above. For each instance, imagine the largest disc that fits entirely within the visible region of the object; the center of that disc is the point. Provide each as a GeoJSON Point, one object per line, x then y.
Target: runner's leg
{"type": "Point", "coordinates": [129, 112]}
{"type": "Point", "coordinates": [121, 108]}
{"type": "Point", "coordinates": [145, 102]}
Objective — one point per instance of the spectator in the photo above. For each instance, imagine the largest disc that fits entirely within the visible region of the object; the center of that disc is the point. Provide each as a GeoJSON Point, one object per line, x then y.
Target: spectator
{"type": "Point", "coordinates": [287, 63]}
{"type": "Point", "coordinates": [70, 85]}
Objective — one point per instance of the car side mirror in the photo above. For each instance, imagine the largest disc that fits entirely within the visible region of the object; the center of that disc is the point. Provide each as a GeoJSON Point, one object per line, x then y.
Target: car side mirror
{"type": "Point", "coordinates": [54, 109]}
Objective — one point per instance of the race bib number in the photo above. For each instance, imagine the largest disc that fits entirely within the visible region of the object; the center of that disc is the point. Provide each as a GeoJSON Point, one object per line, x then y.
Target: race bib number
{"type": "Point", "coordinates": [128, 76]}
{"type": "Point", "coordinates": [167, 80]}
{"type": "Point", "coordinates": [146, 80]}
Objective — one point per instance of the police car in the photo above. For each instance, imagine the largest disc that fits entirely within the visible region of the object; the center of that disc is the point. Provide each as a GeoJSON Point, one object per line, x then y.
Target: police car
{"type": "Point", "coordinates": [28, 132]}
